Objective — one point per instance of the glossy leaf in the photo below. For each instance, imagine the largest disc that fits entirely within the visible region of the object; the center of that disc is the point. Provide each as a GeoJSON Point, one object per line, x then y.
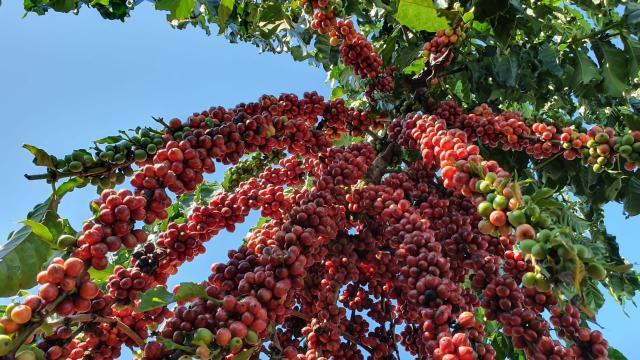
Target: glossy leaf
{"type": "Point", "coordinates": [420, 15]}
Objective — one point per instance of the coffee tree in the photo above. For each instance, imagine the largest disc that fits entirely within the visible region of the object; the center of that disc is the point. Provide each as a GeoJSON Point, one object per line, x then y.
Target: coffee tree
{"type": "Point", "coordinates": [446, 201]}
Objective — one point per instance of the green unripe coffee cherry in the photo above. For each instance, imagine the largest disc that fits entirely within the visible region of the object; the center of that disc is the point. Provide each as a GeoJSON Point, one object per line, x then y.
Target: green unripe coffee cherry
{"type": "Point", "coordinates": [627, 140]}
{"type": "Point", "coordinates": [485, 209]}
{"type": "Point", "coordinates": [544, 236]}
{"type": "Point", "coordinates": [88, 160]}
{"type": "Point", "coordinates": [596, 271]}
{"type": "Point", "coordinates": [583, 252]}
{"type": "Point", "coordinates": [145, 141]}
{"type": "Point", "coordinates": [127, 171]}
{"type": "Point", "coordinates": [602, 138]}
{"type": "Point", "coordinates": [597, 168]}
{"type": "Point", "coordinates": [26, 355]}
{"type": "Point", "coordinates": [516, 217]}
{"type": "Point", "coordinates": [95, 180]}
{"type": "Point", "coordinates": [527, 246]}
{"type": "Point", "coordinates": [251, 338]}
{"type": "Point", "coordinates": [118, 158]}
{"type": "Point", "coordinates": [75, 166]}
{"type": "Point", "coordinates": [77, 155]}
{"type": "Point", "coordinates": [543, 221]}
{"type": "Point", "coordinates": [140, 155]}
{"type": "Point", "coordinates": [490, 177]}
{"type": "Point", "coordinates": [157, 141]}
{"type": "Point", "coordinates": [125, 145]}
{"type": "Point", "coordinates": [564, 252]}
{"type": "Point", "coordinates": [235, 344]}
{"type": "Point", "coordinates": [533, 211]}
{"type": "Point", "coordinates": [601, 160]}
{"type": "Point", "coordinates": [625, 150]}
{"type": "Point", "coordinates": [203, 337]}
{"type": "Point", "coordinates": [105, 183]}
{"type": "Point", "coordinates": [500, 202]}
{"type": "Point", "coordinates": [529, 279]}
{"type": "Point", "coordinates": [542, 284]}
{"type": "Point", "coordinates": [539, 251]}
{"type": "Point", "coordinates": [152, 149]}
{"type": "Point", "coordinates": [636, 147]}
{"type": "Point", "coordinates": [65, 241]}
{"type": "Point", "coordinates": [491, 197]}
{"type": "Point", "coordinates": [484, 186]}
{"type": "Point", "coordinates": [593, 151]}
{"type": "Point", "coordinates": [60, 164]}
{"type": "Point", "coordinates": [5, 345]}
{"type": "Point", "coordinates": [178, 135]}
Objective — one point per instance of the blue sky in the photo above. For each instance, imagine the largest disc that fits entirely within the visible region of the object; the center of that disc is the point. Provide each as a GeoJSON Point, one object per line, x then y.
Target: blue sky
{"type": "Point", "coordinates": [66, 80]}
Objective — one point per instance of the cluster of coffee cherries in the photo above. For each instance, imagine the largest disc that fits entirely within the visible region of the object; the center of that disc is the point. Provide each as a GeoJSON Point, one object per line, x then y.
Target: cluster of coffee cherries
{"type": "Point", "coordinates": [112, 228]}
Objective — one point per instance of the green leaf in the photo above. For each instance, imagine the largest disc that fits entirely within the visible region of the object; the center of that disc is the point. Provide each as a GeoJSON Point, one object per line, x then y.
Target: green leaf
{"type": "Point", "coordinates": [612, 190]}
{"type": "Point", "coordinates": [586, 70]}
{"type": "Point", "coordinates": [245, 354]}
{"type": "Point", "coordinates": [178, 9]}
{"type": "Point", "coordinates": [40, 157]}
{"type": "Point", "coordinates": [40, 230]}
{"type": "Point", "coordinates": [170, 345]}
{"type": "Point", "coordinates": [23, 255]}
{"type": "Point", "coordinates": [190, 290]}
{"type": "Point", "coordinates": [614, 69]}
{"type": "Point", "coordinates": [632, 198]}
{"type": "Point", "coordinates": [505, 68]}
{"type": "Point", "coordinates": [154, 298]}
{"type": "Point", "coordinates": [632, 49]}
{"type": "Point", "coordinates": [415, 67]}
{"type": "Point", "coordinates": [68, 186]}
{"type": "Point", "coordinates": [224, 11]}
{"type": "Point", "coordinates": [632, 16]}
{"type": "Point", "coordinates": [420, 15]}
{"type": "Point", "coordinates": [615, 354]}
{"type": "Point", "coordinates": [549, 59]}
{"type": "Point", "coordinates": [110, 140]}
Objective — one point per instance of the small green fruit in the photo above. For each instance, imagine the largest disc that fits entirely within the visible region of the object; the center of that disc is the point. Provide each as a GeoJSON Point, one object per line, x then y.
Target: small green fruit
{"type": "Point", "coordinates": [636, 147]}
{"type": "Point", "coordinates": [596, 271]}
{"type": "Point", "coordinates": [5, 345]}
{"type": "Point", "coordinates": [529, 279]}
{"type": "Point", "coordinates": [75, 166]}
{"type": "Point", "coordinates": [583, 252]}
{"type": "Point", "coordinates": [625, 150]}
{"type": "Point", "coordinates": [539, 251]}
{"type": "Point", "coordinates": [152, 149]}
{"type": "Point", "coordinates": [484, 186]}
{"type": "Point", "coordinates": [627, 140]}
{"type": "Point", "coordinates": [527, 246]}
{"type": "Point", "coordinates": [118, 158]}
{"type": "Point", "coordinates": [203, 337]}
{"type": "Point", "coordinates": [26, 355]}
{"type": "Point", "coordinates": [251, 338]}
{"type": "Point", "coordinates": [602, 138]}
{"type": "Point", "coordinates": [140, 155]}
{"type": "Point", "coordinates": [564, 252]}
{"type": "Point", "coordinates": [235, 344]}
{"type": "Point", "coordinates": [491, 197]}
{"type": "Point", "coordinates": [485, 209]}
{"type": "Point", "coordinates": [542, 284]}
{"type": "Point", "coordinates": [516, 217]}
{"type": "Point", "coordinates": [544, 236]}
{"type": "Point", "coordinates": [491, 177]}
{"type": "Point", "coordinates": [65, 241]}
{"type": "Point", "coordinates": [500, 202]}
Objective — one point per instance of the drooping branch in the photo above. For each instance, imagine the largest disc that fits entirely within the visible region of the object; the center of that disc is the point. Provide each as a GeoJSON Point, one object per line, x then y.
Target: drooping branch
{"type": "Point", "coordinates": [381, 163]}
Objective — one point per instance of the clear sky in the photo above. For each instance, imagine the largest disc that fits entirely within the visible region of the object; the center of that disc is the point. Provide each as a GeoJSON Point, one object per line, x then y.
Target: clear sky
{"type": "Point", "coordinates": [67, 80]}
